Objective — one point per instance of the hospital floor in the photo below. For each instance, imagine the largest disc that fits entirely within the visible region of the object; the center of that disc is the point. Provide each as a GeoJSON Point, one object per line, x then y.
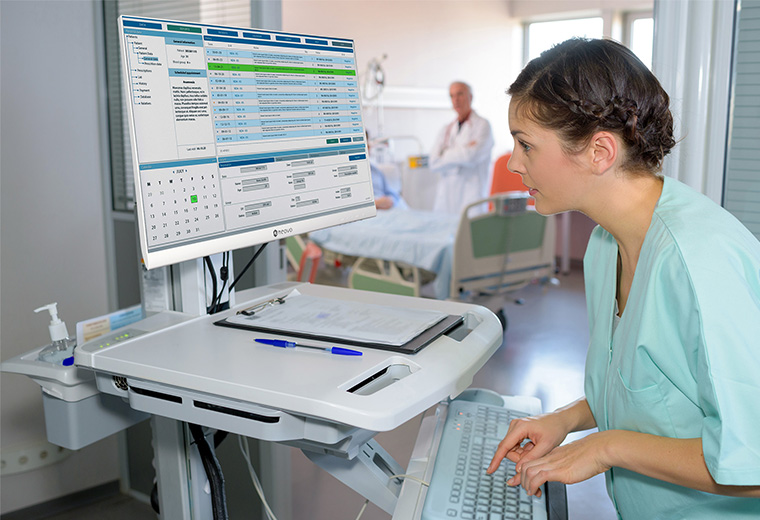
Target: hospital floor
{"type": "Point", "coordinates": [542, 355]}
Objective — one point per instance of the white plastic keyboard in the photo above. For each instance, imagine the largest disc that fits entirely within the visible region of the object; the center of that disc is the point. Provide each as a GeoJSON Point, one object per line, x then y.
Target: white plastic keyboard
{"type": "Point", "coordinates": [459, 487]}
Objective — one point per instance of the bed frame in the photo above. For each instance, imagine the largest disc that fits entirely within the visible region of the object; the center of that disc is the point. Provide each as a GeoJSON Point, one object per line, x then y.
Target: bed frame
{"type": "Point", "coordinates": [500, 246]}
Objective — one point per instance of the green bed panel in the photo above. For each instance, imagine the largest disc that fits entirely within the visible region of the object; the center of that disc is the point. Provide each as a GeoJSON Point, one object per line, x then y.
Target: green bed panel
{"type": "Point", "coordinates": [367, 283]}
{"type": "Point", "coordinates": [491, 233]}
{"type": "Point", "coordinates": [291, 243]}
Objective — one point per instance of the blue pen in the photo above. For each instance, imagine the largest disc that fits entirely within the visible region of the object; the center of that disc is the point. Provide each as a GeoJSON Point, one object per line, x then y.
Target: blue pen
{"type": "Point", "coordinates": [292, 344]}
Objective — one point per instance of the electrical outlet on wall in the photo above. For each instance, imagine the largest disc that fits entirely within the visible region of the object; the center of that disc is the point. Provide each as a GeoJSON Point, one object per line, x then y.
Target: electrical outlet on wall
{"type": "Point", "coordinates": [26, 457]}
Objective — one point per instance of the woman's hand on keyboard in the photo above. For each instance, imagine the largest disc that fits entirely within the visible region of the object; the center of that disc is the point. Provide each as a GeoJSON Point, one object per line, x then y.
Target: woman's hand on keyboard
{"type": "Point", "coordinates": [529, 438]}
{"type": "Point", "coordinates": [569, 464]}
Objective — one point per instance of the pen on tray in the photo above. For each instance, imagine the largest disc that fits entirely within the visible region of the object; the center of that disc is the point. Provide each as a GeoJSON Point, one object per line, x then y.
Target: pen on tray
{"type": "Point", "coordinates": [292, 344]}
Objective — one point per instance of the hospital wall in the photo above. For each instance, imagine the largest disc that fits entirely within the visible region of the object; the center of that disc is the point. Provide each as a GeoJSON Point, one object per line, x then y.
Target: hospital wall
{"type": "Point", "coordinates": [52, 219]}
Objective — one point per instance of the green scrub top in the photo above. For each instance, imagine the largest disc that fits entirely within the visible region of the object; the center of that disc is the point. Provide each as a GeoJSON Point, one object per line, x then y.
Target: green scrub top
{"type": "Point", "coordinates": [684, 359]}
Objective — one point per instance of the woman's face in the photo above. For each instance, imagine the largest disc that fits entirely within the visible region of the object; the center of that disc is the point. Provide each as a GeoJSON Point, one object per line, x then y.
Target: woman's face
{"type": "Point", "coordinates": [555, 179]}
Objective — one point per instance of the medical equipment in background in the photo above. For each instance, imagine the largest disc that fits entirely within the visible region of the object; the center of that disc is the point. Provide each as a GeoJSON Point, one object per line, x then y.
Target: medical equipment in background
{"type": "Point", "coordinates": [372, 82]}
{"type": "Point", "coordinates": [389, 154]}
{"type": "Point", "coordinates": [374, 79]}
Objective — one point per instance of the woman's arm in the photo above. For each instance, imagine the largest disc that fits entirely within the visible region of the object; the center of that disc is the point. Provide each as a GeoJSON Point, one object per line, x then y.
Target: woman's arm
{"type": "Point", "coordinates": [678, 461]}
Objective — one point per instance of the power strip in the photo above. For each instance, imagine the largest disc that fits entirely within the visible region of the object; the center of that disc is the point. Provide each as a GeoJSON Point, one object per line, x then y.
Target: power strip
{"type": "Point", "coordinates": [26, 457]}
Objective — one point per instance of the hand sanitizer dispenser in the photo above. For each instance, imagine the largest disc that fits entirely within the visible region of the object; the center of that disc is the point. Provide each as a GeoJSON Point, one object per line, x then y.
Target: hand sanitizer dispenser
{"type": "Point", "coordinates": [61, 349]}
{"type": "Point", "coordinates": [77, 413]}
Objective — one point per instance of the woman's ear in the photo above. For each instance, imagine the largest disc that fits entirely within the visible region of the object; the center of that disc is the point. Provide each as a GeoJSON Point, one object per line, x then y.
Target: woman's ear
{"type": "Point", "coordinates": [604, 148]}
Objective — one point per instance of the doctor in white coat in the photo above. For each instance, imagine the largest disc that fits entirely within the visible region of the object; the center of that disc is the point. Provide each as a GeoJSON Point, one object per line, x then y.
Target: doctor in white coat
{"type": "Point", "coordinates": [461, 154]}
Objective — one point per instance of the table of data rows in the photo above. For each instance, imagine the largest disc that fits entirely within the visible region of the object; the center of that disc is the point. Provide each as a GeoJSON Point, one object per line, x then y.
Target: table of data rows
{"type": "Point", "coordinates": [260, 95]}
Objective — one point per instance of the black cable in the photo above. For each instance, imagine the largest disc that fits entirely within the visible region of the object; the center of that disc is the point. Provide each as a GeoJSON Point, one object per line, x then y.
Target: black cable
{"type": "Point", "coordinates": [250, 262]}
{"type": "Point", "coordinates": [154, 499]}
{"type": "Point", "coordinates": [216, 301]}
{"type": "Point", "coordinates": [213, 473]}
{"type": "Point", "coordinates": [210, 267]}
{"type": "Point", "coordinates": [219, 437]}
{"type": "Point", "coordinates": [224, 274]}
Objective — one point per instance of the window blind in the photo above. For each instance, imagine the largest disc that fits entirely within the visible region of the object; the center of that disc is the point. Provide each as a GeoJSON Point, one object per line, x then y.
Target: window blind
{"type": "Point", "coordinates": [219, 12]}
{"type": "Point", "coordinates": [741, 194]}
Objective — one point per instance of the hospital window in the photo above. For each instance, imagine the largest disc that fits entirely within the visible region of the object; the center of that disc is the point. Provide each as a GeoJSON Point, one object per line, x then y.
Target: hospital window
{"type": "Point", "coordinates": [638, 35]}
{"type": "Point", "coordinates": [540, 36]}
{"type": "Point", "coordinates": [634, 29]}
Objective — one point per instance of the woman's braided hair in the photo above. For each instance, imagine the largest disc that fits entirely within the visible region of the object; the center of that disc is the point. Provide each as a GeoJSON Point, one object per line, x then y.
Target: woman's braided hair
{"type": "Point", "coordinates": [581, 86]}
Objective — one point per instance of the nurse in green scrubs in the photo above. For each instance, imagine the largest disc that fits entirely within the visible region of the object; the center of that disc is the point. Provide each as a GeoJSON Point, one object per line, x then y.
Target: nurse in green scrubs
{"type": "Point", "coordinates": [673, 293]}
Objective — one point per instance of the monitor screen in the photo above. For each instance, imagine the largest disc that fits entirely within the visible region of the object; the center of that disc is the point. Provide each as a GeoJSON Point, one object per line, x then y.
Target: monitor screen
{"type": "Point", "coordinates": [240, 136]}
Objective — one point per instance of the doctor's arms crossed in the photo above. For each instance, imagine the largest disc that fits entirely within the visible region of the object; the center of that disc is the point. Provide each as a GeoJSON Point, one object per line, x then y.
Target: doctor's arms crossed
{"type": "Point", "coordinates": [472, 149]}
{"type": "Point", "coordinates": [465, 141]}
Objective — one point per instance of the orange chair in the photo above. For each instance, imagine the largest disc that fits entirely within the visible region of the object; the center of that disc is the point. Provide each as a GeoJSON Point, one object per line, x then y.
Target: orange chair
{"type": "Point", "coordinates": [503, 179]}
{"type": "Point", "coordinates": [311, 252]}
{"type": "Point", "coordinates": [300, 250]}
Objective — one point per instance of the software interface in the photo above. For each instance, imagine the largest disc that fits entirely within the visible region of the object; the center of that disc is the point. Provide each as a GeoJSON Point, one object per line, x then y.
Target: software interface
{"type": "Point", "coordinates": [240, 136]}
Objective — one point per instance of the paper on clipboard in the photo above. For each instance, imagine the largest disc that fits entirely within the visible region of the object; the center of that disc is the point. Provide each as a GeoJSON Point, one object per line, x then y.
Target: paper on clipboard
{"type": "Point", "coordinates": [347, 320]}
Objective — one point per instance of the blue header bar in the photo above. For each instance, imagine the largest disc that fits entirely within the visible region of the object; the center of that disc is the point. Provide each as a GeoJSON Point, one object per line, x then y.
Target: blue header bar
{"type": "Point", "coordinates": [155, 23]}
{"type": "Point", "coordinates": [277, 44]}
{"type": "Point", "coordinates": [179, 40]}
{"type": "Point", "coordinates": [146, 25]}
{"type": "Point", "coordinates": [257, 36]}
{"type": "Point", "coordinates": [260, 158]}
{"type": "Point", "coordinates": [177, 164]}
{"type": "Point", "coordinates": [187, 73]}
{"type": "Point", "coordinates": [219, 32]}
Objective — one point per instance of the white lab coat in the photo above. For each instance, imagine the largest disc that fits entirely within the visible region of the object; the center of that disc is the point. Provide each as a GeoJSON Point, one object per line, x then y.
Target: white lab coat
{"type": "Point", "coordinates": [462, 158]}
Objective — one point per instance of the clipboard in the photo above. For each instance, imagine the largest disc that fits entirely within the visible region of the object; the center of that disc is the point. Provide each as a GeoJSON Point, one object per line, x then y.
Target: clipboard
{"type": "Point", "coordinates": [445, 326]}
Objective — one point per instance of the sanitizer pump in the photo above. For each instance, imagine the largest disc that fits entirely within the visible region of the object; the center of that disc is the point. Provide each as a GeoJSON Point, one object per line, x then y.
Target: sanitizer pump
{"type": "Point", "coordinates": [61, 350]}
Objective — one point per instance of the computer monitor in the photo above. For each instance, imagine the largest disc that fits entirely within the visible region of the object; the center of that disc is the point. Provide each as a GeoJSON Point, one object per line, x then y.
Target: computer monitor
{"type": "Point", "coordinates": [240, 136]}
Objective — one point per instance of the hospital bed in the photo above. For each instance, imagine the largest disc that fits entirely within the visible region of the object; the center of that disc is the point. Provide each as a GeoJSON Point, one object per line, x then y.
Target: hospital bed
{"type": "Point", "coordinates": [496, 245]}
